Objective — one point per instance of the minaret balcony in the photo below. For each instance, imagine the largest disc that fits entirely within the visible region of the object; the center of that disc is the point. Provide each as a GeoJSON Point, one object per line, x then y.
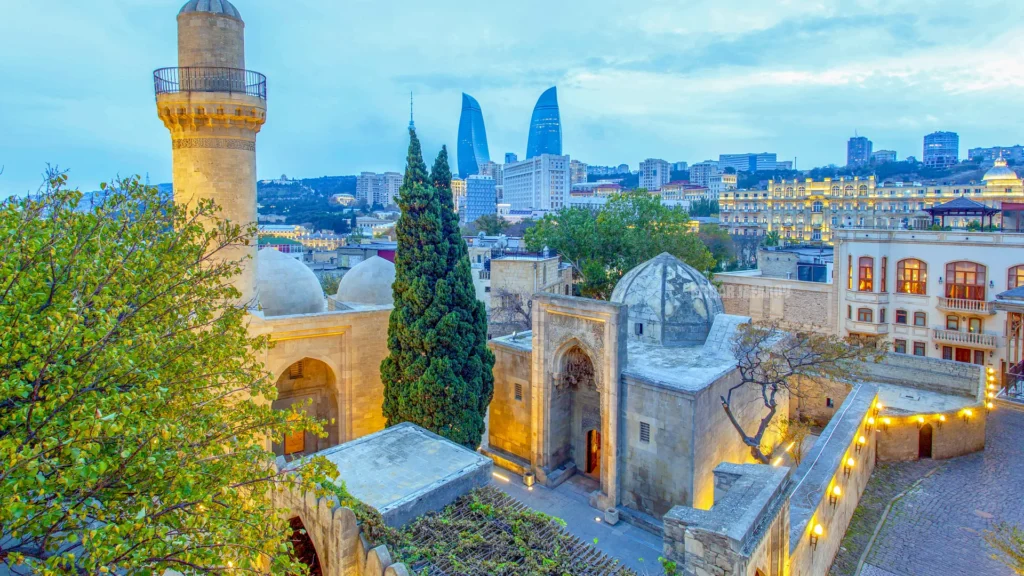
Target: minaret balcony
{"type": "Point", "coordinates": [210, 79]}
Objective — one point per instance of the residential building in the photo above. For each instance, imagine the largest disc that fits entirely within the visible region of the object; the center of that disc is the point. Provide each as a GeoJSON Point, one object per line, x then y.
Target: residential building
{"type": "Point", "coordinates": [941, 149]}
{"type": "Point", "coordinates": [515, 278]}
{"type": "Point", "coordinates": [382, 189]}
{"type": "Point", "coordinates": [577, 171]}
{"type": "Point", "coordinates": [458, 193]}
{"type": "Point", "coordinates": [858, 151]}
{"type": "Point", "coordinates": [883, 156]}
{"type": "Point", "coordinates": [539, 183]}
{"type": "Point", "coordinates": [472, 148]}
{"type": "Point", "coordinates": [784, 165]}
{"type": "Point", "coordinates": [511, 157]}
{"type": "Point", "coordinates": [680, 190]}
{"type": "Point", "coordinates": [654, 172]}
{"type": "Point", "coordinates": [748, 162]}
{"type": "Point", "coordinates": [701, 172]}
{"type": "Point", "coordinates": [371, 227]}
{"type": "Point", "coordinates": [929, 295]}
{"type": "Point", "coordinates": [290, 231]}
{"type": "Point", "coordinates": [1014, 153]}
{"type": "Point", "coordinates": [608, 170]}
{"type": "Point", "coordinates": [480, 198]}
{"type": "Point", "coordinates": [810, 211]}
{"type": "Point", "coordinates": [797, 262]}
{"type": "Point", "coordinates": [719, 183]}
{"type": "Point", "coordinates": [680, 167]}
{"type": "Point", "coordinates": [545, 127]}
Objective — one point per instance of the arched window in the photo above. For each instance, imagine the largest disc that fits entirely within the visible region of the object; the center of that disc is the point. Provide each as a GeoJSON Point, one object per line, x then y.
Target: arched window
{"type": "Point", "coordinates": [835, 190]}
{"type": "Point", "coordinates": [848, 191]}
{"type": "Point", "coordinates": [965, 280]}
{"type": "Point", "coordinates": [1015, 277]}
{"type": "Point", "coordinates": [864, 315]}
{"type": "Point", "coordinates": [817, 206]}
{"type": "Point", "coordinates": [863, 190]}
{"type": "Point", "coordinates": [911, 276]}
{"type": "Point", "coordinates": [865, 274]}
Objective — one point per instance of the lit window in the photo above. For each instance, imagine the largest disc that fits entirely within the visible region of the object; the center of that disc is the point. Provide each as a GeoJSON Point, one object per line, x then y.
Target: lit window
{"type": "Point", "coordinates": [911, 276]}
{"type": "Point", "coordinates": [965, 280]}
{"type": "Point", "coordinates": [1015, 277]}
{"type": "Point", "coordinates": [865, 273]}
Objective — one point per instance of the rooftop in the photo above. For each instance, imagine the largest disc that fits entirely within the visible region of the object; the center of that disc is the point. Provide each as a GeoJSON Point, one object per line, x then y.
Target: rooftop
{"type": "Point", "coordinates": [904, 401]}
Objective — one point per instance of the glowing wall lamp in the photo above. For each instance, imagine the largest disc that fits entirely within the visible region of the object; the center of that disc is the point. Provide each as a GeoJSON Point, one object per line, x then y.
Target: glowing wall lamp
{"type": "Point", "coordinates": [989, 406]}
{"type": "Point", "coordinates": [833, 496]}
{"type": "Point", "coordinates": [920, 422]}
{"type": "Point", "coordinates": [848, 466]}
{"type": "Point", "coordinates": [966, 414]}
{"type": "Point", "coordinates": [861, 441]}
{"type": "Point", "coordinates": [871, 422]}
{"type": "Point", "coordinates": [885, 423]}
{"type": "Point", "coordinates": [942, 420]}
{"type": "Point", "coordinates": [815, 534]}
{"type": "Point", "coordinates": [878, 406]}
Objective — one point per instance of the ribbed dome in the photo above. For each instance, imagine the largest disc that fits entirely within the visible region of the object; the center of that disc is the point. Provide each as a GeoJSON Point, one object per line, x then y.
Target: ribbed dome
{"type": "Point", "coordinates": [673, 303]}
{"type": "Point", "coordinates": [286, 286]}
{"type": "Point", "coordinates": [368, 282]}
{"type": "Point", "coordinates": [222, 7]}
{"type": "Point", "coordinates": [1000, 171]}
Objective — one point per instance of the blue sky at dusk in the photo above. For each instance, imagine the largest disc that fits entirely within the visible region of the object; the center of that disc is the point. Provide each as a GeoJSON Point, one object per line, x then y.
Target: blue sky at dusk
{"type": "Point", "coordinates": [682, 80]}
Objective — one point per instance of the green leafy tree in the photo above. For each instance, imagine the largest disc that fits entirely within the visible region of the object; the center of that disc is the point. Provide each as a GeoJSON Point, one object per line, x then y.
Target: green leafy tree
{"type": "Point", "coordinates": [134, 409]}
{"type": "Point", "coordinates": [772, 238]}
{"type": "Point", "coordinates": [438, 373]}
{"type": "Point", "coordinates": [1008, 542]}
{"type": "Point", "coordinates": [719, 242]}
{"type": "Point", "coordinates": [631, 228]}
{"type": "Point", "coordinates": [491, 224]}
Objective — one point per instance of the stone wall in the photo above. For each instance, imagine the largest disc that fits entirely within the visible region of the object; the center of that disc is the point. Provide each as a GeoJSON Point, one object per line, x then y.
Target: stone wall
{"type": "Point", "coordinates": [796, 305]}
{"type": "Point", "coordinates": [956, 435]}
{"type": "Point", "coordinates": [824, 468]}
{"type": "Point", "coordinates": [778, 264]}
{"type": "Point", "coordinates": [509, 419]}
{"type": "Point", "coordinates": [206, 39]}
{"type": "Point", "coordinates": [817, 400]}
{"type": "Point", "coordinates": [943, 376]}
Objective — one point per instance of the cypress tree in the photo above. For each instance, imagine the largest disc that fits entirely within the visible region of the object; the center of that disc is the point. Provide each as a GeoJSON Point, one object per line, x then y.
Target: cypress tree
{"type": "Point", "coordinates": [438, 372]}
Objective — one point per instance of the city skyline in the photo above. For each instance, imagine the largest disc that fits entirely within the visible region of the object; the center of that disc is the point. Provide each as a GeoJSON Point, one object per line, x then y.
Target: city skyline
{"type": "Point", "coordinates": [718, 81]}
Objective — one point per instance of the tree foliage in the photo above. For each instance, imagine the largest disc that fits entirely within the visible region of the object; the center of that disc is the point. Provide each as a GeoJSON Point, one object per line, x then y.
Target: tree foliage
{"type": "Point", "coordinates": [1008, 542]}
{"type": "Point", "coordinates": [775, 362]}
{"type": "Point", "coordinates": [133, 408]}
{"type": "Point", "coordinates": [491, 224]}
{"type": "Point", "coordinates": [438, 373]}
{"type": "Point", "coordinates": [630, 229]}
{"type": "Point", "coordinates": [703, 207]}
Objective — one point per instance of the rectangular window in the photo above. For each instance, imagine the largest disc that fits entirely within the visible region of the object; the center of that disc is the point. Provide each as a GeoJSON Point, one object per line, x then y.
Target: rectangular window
{"type": "Point", "coordinates": [295, 370]}
{"type": "Point", "coordinates": [864, 315]}
{"type": "Point", "coordinates": [849, 272]}
{"type": "Point", "coordinates": [645, 432]}
{"type": "Point", "coordinates": [865, 274]}
{"type": "Point", "coordinates": [920, 319]}
{"type": "Point", "coordinates": [519, 391]}
{"type": "Point", "coordinates": [882, 275]}
{"type": "Point", "coordinates": [952, 322]}
{"type": "Point", "coordinates": [900, 346]}
{"type": "Point", "coordinates": [947, 352]}
{"type": "Point", "coordinates": [919, 349]}
{"type": "Point", "coordinates": [901, 316]}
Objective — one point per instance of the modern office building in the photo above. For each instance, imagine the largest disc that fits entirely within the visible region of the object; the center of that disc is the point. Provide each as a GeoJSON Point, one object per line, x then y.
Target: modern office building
{"type": "Point", "coordinates": [545, 127]}
{"type": "Point", "coordinates": [540, 183]}
{"type": "Point", "coordinates": [481, 198]}
{"type": "Point", "coordinates": [941, 149]}
{"type": "Point", "coordinates": [811, 211]}
{"type": "Point", "coordinates": [654, 173]}
{"type": "Point", "coordinates": [1014, 154]}
{"type": "Point", "coordinates": [577, 172]}
{"type": "Point", "coordinates": [511, 157]}
{"type": "Point", "coordinates": [379, 189]}
{"type": "Point", "coordinates": [748, 162]}
{"type": "Point", "coordinates": [784, 165]}
{"type": "Point", "coordinates": [858, 151]}
{"type": "Point", "coordinates": [701, 172]}
{"type": "Point", "coordinates": [883, 156]}
{"type": "Point", "coordinates": [472, 148]}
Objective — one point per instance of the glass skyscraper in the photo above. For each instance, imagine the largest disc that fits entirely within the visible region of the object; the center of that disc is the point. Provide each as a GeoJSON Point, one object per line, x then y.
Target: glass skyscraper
{"type": "Point", "coordinates": [545, 127]}
{"type": "Point", "coordinates": [472, 138]}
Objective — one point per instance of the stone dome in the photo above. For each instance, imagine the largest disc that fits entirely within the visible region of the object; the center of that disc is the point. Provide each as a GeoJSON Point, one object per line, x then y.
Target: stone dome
{"type": "Point", "coordinates": [222, 7]}
{"type": "Point", "coordinates": [368, 283]}
{"type": "Point", "coordinates": [670, 303]}
{"type": "Point", "coordinates": [286, 286]}
{"type": "Point", "coordinates": [1000, 171]}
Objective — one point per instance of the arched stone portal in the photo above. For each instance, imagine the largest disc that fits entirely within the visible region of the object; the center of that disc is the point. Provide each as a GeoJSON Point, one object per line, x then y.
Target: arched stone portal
{"type": "Point", "coordinates": [303, 547]}
{"type": "Point", "coordinates": [310, 386]}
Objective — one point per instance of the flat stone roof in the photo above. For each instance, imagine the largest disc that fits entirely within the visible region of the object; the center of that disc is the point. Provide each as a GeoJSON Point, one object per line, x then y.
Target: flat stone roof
{"type": "Point", "coordinates": [904, 401]}
{"type": "Point", "coordinates": [521, 341]}
{"type": "Point", "coordinates": [405, 471]}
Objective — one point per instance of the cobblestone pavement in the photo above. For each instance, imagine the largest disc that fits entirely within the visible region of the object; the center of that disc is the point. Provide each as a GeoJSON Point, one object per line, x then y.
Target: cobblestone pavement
{"type": "Point", "coordinates": [635, 548]}
{"type": "Point", "coordinates": [936, 529]}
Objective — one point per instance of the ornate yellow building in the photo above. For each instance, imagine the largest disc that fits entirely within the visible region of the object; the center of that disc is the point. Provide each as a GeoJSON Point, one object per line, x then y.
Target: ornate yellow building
{"type": "Point", "coordinates": [809, 210]}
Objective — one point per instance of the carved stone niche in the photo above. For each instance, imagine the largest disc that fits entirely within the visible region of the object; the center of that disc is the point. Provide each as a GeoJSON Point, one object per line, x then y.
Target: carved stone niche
{"type": "Point", "coordinates": [578, 373]}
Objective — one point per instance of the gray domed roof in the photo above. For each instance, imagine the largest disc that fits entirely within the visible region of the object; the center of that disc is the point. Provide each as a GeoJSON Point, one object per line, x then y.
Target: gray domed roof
{"type": "Point", "coordinates": [286, 286]}
{"type": "Point", "coordinates": [1000, 171]}
{"type": "Point", "coordinates": [670, 303]}
{"type": "Point", "coordinates": [222, 7]}
{"type": "Point", "coordinates": [368, 282]}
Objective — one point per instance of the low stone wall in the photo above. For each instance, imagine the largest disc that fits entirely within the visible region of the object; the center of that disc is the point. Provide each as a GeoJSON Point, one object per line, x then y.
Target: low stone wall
{"type": "Point", "coordinates": [813, 501]}
{"type": "Point", "coordinates": [794, 304]}
{"type": "Point", "coordinates": [953, 433]}
{"type": "Point", "coordinates": [933, 374]}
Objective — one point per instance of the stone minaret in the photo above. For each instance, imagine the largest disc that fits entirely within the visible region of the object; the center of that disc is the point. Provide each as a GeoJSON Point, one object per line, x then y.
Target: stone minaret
{"type": "Point", "coordinates": [213, 108]}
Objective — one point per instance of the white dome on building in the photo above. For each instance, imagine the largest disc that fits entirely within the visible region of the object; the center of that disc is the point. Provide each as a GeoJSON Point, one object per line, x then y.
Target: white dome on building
{"type": "Point", "coordinates": [286, 286]}
{"type": "Point", "coordinates": [1000, 171]}
{"type": "Point", "coordinates": [368, 282]}
{"type": "Point", "coordinates": [670, 303]}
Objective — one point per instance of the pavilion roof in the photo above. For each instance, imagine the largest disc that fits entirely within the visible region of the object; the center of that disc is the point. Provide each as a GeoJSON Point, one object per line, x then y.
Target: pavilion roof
{"type": "Point", "coordinates": [961, 206]}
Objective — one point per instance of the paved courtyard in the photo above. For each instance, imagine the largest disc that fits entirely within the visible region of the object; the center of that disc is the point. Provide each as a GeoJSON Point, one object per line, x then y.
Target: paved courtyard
{"type": "Point", "coordinates": [635, 548]}
{"type": "Point", "coordinates": [937, 527]}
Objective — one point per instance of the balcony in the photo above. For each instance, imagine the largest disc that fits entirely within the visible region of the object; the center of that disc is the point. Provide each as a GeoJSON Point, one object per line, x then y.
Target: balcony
{"type": "Point", "coordinates": [965, 305]}
{"type": "Point", "coordinates": [867, 297]}
{"type": "Point", "coordinates": [871, 328]}
{"type": "Point", "coordinates": [210, 79]}
{"type": "Point", "coordinates": [972, 339]}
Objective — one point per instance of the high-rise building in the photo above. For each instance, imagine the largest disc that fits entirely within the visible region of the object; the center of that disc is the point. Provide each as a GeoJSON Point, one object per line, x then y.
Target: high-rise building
{"type": "Point", "coordinates": [458, 194]}
{"type": "Point", "coordinates": [540, 183]}
{"type": "Point", "coordinates": [749, 162]}
{"type": "Point", "coordinates": [941, 149]}
{"type": "Point", "coordinates": [719, 183]}
{"type": "Point", "coordinates": [545, 127]}
{"type": "Point", "coordinates": [784, 165]}
{"type": "Point", "coordinates": [883, 156]}
{"type": "Point", "coordinates": [481, 198]}
{"type": "Point", "coordinates": [858, 151]}
{"type": "Point", "coordinates": [680, 167]}
{"type": "Point", "coordinates": [472, 149]}
{"type": "Point", "coordinates": [380, 189]}
{"type": "Point", "coordinates": [511, 157]}
{"type": "Point", "coordinates": [701, 172]}
{"type": "Point", "coordinates": [654, 173]}
{"type": "Point", "coordinates": [577, 172]}
{"type": "Point", "coordinates": [1012, 153]}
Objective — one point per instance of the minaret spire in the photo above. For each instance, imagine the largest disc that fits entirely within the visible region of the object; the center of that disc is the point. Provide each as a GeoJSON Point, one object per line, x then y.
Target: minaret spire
{"type": "Point", "coordinates": [412, 125]}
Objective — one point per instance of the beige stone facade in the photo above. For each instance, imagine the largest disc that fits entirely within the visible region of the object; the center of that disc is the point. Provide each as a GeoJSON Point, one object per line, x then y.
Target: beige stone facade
{"type": "Point", "coordinates": [794, 304]}
{"type": "Point", "coordinates": [514, 279]}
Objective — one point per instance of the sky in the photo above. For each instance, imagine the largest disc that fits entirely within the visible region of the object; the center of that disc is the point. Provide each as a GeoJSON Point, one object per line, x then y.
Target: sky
{"type": "Point", "coordinates": [678, 80]}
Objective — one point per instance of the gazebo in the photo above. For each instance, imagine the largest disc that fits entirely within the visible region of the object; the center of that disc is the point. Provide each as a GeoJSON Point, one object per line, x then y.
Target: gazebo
{"type": "Point", "coordinates": [962, 206]}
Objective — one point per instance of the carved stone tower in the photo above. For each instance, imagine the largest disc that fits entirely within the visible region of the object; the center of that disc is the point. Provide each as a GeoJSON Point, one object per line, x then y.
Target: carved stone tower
{"type": "Point", "coordinates": [214, 108]}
